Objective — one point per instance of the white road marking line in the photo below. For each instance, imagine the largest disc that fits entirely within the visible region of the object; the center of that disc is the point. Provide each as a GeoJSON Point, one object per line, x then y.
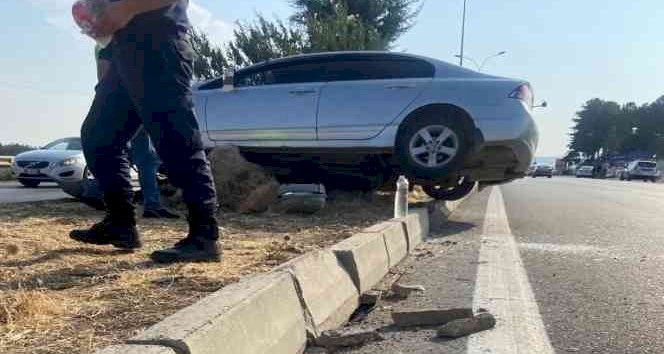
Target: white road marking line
{"type": "Point", "coordinates": [503, 289]}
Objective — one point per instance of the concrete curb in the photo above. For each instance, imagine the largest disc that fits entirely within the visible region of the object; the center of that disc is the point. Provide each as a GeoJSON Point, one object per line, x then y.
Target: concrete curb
{"type": "Point", "coordinates": [261, 314]}
{"type": "Point", "coordinates": [274, 313]}
{"type": "Point", "coordinates": [325, 289]}
{"type": "Point", "coordinates": [136, 349]}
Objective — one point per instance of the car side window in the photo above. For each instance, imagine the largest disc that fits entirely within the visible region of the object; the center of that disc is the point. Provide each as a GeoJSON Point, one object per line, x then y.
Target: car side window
{"type": "Point", "coordinates": [381, 69]}
{"type": "Point", "coordinates": [256, 78]}
{"type": "Point", "coordinates": [60, 145]}
{"type": "Point", "coordinates": [282, 74]}
{"type": "Point", "coordinates": [75, 145]}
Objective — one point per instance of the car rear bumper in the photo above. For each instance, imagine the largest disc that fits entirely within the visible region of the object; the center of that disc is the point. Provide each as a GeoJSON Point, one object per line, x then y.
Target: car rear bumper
{"type": "Point", "coordinates": [543, 174]}
{"type": "Point", "coordinates": [508, 149]}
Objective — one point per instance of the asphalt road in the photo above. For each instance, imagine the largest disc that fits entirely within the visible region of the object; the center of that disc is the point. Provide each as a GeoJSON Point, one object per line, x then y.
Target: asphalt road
{"type": "Point", "coordinates": [13, 192]}
{"type": "Point", "coordinates": [567, 266]}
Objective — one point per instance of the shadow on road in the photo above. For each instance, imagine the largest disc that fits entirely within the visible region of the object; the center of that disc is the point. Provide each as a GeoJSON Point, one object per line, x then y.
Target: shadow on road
{"type": "Point", "coordinates": [450, 228]}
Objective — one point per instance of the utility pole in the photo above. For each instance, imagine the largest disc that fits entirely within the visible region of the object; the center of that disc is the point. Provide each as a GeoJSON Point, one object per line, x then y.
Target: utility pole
{"type": "Point", "coordinates": [463, 32]}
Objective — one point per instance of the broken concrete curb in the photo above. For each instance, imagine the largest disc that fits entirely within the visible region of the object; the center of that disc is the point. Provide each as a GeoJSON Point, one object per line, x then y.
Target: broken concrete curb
{"type": "Point", "coordinates": [347, 337]}
{"type": "Point", "coordinates": [136, 349]}
{"type": "Point", "coordinates": [396, 241]}
{"type": "Point", "coordinates": [403, 291]}
{"type": "Point", "coordinates": [429, 317]}
{"type": "Point", "coordinates": [365, 258]}
{"type": "Point", "coordinates": [274, 312]}
{"type": "Point", "coordinates": [259, 315]}
{"type": "Point", "coordinates": [326, 290]}
{"type": "Point", "coordinates": [466, 326]}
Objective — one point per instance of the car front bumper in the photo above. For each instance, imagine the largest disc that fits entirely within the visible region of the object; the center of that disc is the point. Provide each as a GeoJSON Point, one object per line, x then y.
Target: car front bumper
{"type": "Point", "coordinates": [53, 173]}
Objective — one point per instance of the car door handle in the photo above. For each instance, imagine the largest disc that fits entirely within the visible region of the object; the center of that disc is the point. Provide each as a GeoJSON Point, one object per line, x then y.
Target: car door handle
{"type": "Point", "coordinates": [400, 87]}
{"type": "Point", "coordinates": [301, 92]}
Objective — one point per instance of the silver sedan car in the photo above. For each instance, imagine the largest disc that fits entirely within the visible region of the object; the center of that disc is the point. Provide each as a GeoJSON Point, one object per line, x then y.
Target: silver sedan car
{"type": "Point", "coordinates": [373, 115]}
{"type": "Point", "coordinates": [61, 160]}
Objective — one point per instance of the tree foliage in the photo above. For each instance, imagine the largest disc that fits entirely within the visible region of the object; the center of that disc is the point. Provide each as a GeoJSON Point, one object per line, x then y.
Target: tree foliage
{"type": "Point", "coordinates": [316, 26]}
{"type": "Point", "coordinates": [209, 59]}
{"type": "Point", "coordinates": [604, 128]}
{"type": "Point", "coordinates": [375, 24]}
{"type": "Point", "coordinates": [14, 149]}
{"type": "Point", "coordinates": [264, 40]}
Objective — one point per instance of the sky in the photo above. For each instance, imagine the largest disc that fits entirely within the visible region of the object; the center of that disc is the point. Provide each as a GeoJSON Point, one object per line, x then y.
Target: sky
{"type": "Point", "coordinates": [569, 50]}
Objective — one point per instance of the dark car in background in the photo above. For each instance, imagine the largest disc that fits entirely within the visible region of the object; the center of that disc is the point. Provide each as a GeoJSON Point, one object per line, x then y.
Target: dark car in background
{"type": "Point", "coordinates": [543, 171]}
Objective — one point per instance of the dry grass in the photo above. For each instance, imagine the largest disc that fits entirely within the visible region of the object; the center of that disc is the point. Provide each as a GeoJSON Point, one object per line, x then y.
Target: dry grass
{"type": "Point", "coordinates": [57, 296]}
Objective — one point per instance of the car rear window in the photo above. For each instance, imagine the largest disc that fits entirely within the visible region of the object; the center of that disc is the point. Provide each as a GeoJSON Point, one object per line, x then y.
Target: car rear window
{"type": "Point", "coordinates": [647, 164]}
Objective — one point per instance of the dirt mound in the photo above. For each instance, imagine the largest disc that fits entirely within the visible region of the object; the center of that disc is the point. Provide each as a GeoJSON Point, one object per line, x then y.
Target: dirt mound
{"type": "Point", "coordinates": [242, 186]}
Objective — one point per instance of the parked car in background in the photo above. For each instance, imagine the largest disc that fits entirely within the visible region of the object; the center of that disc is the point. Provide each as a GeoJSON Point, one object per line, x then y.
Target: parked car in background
{"type": "Point", "coordinates": [373, 115]}
{"type": "Point", "coordinates": [543, 171]}
{"type": "Point", "coordinates": [640, 169]}
{"type": "Point", "coordinates": [60, 160]}
{"type": "Point", "coordinates": [585, 171]}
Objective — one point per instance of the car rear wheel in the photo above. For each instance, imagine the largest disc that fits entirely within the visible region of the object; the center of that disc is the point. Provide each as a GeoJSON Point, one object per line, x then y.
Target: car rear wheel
{"type": "Point", "coordinates": [433, 147]}
{"type": "Point", "coordinates": [28, 182]}
{"type": "Point", "coordinates": [455, 192]}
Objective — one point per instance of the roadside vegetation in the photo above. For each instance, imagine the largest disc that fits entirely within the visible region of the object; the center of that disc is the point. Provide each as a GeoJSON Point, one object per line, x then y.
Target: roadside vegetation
{"type": "Point", "coordinates": [58, 296]}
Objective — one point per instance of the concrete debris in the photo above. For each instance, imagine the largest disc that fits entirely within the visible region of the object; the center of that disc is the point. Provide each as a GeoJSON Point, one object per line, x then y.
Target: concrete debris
{"type": "Point", "coordinates": [403, 290]}
{"type": "Point", "coordinates": [371, 297]}
{"type": "Point", "coordinates": [429, 317]}
{"type": "Point", "coordinates": [300, 199]}
{"type": "Point", "coordinates": [347, 337]}
{"type": "Point", "coordinates": [466, 326]}
{"type": "Point", "coordinates": [315, 350]}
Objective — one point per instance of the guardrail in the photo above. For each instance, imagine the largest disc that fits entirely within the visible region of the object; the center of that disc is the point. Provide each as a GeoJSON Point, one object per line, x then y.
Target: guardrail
{"type": "Point", "coordinates": [6, 161]}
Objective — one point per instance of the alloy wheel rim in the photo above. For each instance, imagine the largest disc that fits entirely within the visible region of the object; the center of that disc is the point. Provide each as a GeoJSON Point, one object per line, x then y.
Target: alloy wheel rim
{"type": "Point", "coordinates": [434, 146]}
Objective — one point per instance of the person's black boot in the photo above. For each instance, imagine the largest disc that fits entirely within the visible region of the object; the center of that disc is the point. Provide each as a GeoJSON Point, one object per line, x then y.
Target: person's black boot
{"type": "Point", "coordinates": [118, 227]}
{"type": "Point", "coordinates": [200, 245]}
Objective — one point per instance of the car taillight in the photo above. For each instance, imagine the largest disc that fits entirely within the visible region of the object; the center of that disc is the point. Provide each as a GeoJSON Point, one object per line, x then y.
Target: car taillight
{"type": "Point", "coordinates": [525, 94]}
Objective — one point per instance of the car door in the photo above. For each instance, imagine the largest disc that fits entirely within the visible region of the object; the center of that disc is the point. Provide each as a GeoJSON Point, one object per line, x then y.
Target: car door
{"type": "Point", "coordinates": [273, 103]}
{"type": "Point", "coordinates": [364, 94]}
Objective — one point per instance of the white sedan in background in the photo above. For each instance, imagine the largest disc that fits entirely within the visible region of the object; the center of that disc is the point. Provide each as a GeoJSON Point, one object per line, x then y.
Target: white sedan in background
{"type": "Point", "coordinates": [374, 115]}
{"type": "Point", "coordinates": [61, 160]}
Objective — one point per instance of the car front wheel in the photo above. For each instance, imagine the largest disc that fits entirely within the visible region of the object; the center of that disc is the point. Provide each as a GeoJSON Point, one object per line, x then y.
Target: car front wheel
{"type": "Point", "coordinates": [455, 192]}
{"type": "Point", "coordinates": [433, 147]}
{"type": "Point", "coordinates": [29, 182]}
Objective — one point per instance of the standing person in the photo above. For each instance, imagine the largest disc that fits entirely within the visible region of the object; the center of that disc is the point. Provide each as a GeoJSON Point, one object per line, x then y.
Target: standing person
{"type": "Point", "coordinates": [144, 156]}
{"type": "Point", "coordinates": [142, 153]}
{"type": "Point", "coordinates": [150, 72]}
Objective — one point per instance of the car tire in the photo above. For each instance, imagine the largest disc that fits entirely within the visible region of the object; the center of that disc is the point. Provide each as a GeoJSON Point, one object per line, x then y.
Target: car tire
{"type": "Point", "coordinates": [423, 155]}
{"type": "Point", "coordinates": [456, 192]}
{"type": "Point", "coordinates": [29, 183]}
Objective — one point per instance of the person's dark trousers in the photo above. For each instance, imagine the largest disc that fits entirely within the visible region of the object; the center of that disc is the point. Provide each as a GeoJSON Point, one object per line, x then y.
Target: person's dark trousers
{"type": "Point", "coordinates": [150, 73]}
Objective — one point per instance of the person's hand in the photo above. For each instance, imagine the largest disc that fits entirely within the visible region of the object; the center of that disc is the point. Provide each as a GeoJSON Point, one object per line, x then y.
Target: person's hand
{"type": "Point", "coordinates": [115, 17]}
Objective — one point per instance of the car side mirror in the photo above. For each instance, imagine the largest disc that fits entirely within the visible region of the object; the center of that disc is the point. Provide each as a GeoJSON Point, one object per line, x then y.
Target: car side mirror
{"type": "Point", "coordinates": [229, 81]}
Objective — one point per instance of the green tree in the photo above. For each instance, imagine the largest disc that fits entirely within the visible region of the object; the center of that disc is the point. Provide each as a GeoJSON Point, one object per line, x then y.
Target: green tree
{"type": "Point", "coordinates": [209, 59]}
{"type": "Point", "coordinates": [264, 40]}
{"type": "Point", "coordinates": [366, 24]}
{"type": "Point", "coordinates": [317, 25]}
{"type": "Point", "coordinates": [602, 128]}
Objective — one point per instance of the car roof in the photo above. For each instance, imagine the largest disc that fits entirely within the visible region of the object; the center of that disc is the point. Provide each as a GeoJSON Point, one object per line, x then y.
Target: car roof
{"type": "Point", "coordinates": [438, 64]}
{"type": "Point", "coordinates": [441, 68]}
